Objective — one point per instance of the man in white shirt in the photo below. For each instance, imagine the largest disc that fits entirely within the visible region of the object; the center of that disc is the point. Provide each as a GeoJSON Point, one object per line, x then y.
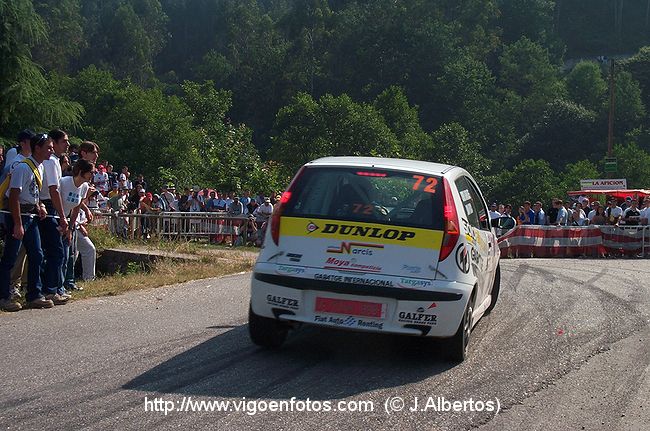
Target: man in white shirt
{"type": "Point", "coordinates": [23, 195]}
{"type": "Point", "coordinates": [264, 211]}
{"type": "Point", "coordinates": [494, 214]}
{"type": "Point", "coordinates": [55, 248]}
{"type": "Point", "coordinates": [101, 180]}
{"type": "Point", "coordinates": [594, 209]}
{"type": "Point", "coordinates": [645, 212]}
{"type": "Point", "coordinates": [613, 212]}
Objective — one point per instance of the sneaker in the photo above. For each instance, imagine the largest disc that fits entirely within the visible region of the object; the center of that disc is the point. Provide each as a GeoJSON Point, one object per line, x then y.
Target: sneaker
{"type": "Point", "coordinates": [15, 293]}
{"type": "Point", "coordinates": [73, 287]}
{"type": "Point", "coordinates": [65, 296]}
{"type": "Point", "coordinates": [9, 305]}
{"type": "Point", "coordinates": [40, 303]}
{"type": "Point", "coordinates": [56, 299]}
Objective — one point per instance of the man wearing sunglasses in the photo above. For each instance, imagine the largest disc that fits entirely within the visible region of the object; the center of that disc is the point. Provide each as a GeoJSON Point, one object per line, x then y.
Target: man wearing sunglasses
{"type": "Point", "coordinates": [52, 229]}
{"type": "Point", "coordinates": [22, 225]}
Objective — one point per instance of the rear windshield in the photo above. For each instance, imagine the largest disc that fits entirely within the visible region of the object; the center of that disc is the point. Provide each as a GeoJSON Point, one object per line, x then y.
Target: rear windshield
{"type": "Point", "coordinates": [368, 195]}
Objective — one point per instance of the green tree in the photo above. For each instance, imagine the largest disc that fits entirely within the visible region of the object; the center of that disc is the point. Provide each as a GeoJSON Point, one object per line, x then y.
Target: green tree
{"type": "Point", "coordinates": [452, 145]}
{"type": "Point", "coordinates": [563, 134]}
{"type": "Point", "coordinates": [333, 126]}
{"type": "Point", "coordinates": [64, 27]}
{"type": "Point", "coordinates": [574, 172]}
{"type": "Point", "coordinates": [530, 180]}
{"type": "Point", "coordinates": [27, 97]}
{"type": "Point", "coordinates": [525, 68]}
{"type": "Point", "coordinates": [633, 165]}
{"type": "Point", "coordinates": [403, 120]}
{"type": "Point", "coordinates": [629, 110]}
{"type": "Point", "coordinates": [639, 66]}
{"type": "Point", "coordinates": [586, 86]}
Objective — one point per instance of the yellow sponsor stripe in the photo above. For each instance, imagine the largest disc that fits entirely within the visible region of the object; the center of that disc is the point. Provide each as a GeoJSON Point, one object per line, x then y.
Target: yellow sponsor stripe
{"type": "Point", "coordinates": [365, 232]}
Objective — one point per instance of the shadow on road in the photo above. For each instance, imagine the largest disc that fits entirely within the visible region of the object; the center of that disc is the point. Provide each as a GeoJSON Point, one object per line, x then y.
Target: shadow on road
{"type": "Point", "coordinates": [317, 363]}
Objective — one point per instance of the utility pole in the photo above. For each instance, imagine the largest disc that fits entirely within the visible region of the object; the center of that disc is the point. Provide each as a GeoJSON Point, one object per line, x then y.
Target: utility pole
{"type": "Point", "coordinates": [610, 134]}
{"type": "Point", "coordinates": [610, 161]}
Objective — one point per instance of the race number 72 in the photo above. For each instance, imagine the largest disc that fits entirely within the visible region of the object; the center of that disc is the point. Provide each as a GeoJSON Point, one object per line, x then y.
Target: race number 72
{"type": "Point", "coordinates": [429, 183]}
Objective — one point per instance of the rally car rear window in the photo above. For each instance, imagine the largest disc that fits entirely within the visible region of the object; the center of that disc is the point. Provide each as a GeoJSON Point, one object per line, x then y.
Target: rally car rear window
{"type": "Point", "coordinates": [368, 195]}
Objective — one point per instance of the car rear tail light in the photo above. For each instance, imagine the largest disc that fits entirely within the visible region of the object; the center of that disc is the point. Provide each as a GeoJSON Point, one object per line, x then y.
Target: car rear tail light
{"type": "Point", "coordinates": [277, 212]}
{"type": "Point", "coordinates": [451, 224]}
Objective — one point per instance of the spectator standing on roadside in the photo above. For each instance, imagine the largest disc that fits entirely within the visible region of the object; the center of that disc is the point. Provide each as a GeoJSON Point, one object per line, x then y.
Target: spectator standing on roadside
{"type": "Point", "coordinates": [18, 153]}
{"type": "Point", "coordinates": [101, 180]}
{"type": "Point", "coordinates": [594, 207]}
{"type": "Point", "coordinates": [23, 195]}
{"type": "Point", "coordinates": [540, 216]}
{"type": "Point", "coordinates": [494, 214]}
{"type": "Point", "coordinates": [245, 200]}
{"type": "Point", "coordinates": [578, 217]}
{"type": "Point", "coordinates": [195, 201]}
{"type": "Point", "coordinates": [73, 191]}
{"type": "Point", "coordinates": [264, 211]}
{"type": "Point", "coordinates": [252, 206]}
{"type": "Point", "coordinates": [211, 203]}
{"type": "Point", "coordinates": [168, 196]}
{"type": "Point", "coordinates": [599, 217]}
{"type": "Point", "coordinates": [54, 233]}
{"type": "Point", "coordinates": [528, 216]}
{"type": "Point", "coordinates": [89, 151]}
{"type": "Point", "coordinates": [632, 215]}
{"type": "Point", "coordinates": [113, 181]}
{"type": "Point", "coordinates": [140, 182]}
{"type": "Point", "coordinates": [613, 212]}
{"type": "Point", "coordinates": [645, 212]}
{"type": "Point", "coordinates": [551, 215]}
{"type": "Point", "coordinates": [236, 208]}
{"type": "Point", "coordinates": [626, 204]}
{"type": "Point", "coordinates": [562, 214]}
{"type": "Point", "coordinates": [124, 178]}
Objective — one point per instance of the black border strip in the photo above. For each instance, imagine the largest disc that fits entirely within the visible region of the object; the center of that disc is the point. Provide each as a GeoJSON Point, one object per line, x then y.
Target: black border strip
{"type": "Point", "coordinates": [356, 289]}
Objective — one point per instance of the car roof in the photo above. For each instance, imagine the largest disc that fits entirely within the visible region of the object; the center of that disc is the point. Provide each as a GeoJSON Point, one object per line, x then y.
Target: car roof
{"type": "Point", "coordinates": [386, 163]}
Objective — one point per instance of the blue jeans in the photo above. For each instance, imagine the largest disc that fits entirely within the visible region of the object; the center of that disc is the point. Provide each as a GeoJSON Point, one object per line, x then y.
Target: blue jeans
{"type": "Point", "coordinates": [68, 267]}
{"type": "Point", "coordinates": [32, 241]}
{"type": "Point", "coordinates": [54, 252]}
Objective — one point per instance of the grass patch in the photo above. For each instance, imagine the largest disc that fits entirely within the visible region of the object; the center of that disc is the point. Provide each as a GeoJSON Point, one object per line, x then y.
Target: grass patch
{"type": "Point", "coordinates": [166, 272]}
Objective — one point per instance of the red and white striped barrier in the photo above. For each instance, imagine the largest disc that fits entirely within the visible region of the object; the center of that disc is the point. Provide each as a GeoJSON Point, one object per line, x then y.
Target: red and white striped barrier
{"type": "Point", "coordinates": [569, 241]}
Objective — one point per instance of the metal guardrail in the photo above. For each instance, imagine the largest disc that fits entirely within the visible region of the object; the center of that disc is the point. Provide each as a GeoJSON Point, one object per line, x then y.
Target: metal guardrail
{"type": "Point", "coordinates": [568, 241]}
{"type": "Point", "coordinates": [217, 227]}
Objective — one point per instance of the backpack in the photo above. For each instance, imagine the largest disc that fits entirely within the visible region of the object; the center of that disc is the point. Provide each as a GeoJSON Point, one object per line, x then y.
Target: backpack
{"type": "Point", "coordinates": [5, 184]}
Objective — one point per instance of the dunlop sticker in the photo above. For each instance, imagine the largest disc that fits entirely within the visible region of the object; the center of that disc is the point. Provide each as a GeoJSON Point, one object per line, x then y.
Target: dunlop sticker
{"type": "Point", "coordinates": [366, 232]}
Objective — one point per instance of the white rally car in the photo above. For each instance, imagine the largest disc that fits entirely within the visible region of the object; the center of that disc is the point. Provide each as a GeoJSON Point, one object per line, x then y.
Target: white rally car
{"type": "Point", "coordinates": [380, 245]}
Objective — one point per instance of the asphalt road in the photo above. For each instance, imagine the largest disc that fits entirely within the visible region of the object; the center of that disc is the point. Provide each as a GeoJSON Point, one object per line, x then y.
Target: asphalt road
{"type": "Point", "coordinates": [566, 348]}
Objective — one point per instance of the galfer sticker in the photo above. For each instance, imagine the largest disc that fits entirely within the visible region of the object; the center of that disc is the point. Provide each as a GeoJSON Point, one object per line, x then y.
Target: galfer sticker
{"type": "Point", "coordinates": [469, 209]}
{"type": "Point", "coordinates": [464, 194]}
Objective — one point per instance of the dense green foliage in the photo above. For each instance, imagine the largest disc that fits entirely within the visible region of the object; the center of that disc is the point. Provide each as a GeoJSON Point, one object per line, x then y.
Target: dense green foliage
{"type": "Point", "coordinates": [239, 93]}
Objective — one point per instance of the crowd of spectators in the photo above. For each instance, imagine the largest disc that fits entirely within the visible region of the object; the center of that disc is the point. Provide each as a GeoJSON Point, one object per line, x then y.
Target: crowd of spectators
{"type": "Point", "coordinates": [581, 212]}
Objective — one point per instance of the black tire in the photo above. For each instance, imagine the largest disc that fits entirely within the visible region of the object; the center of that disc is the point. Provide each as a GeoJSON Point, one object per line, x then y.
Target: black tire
{"type": "Point", "coordinates": [496, 288]}
{"type": "Point", "coordinates": [266, 332]}
{"type": "Point", "coordinates": [457, 345]}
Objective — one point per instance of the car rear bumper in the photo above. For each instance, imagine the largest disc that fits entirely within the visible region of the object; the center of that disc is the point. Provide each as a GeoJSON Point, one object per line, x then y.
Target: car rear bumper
{"type": "Point", "coordinates": [434, 312]}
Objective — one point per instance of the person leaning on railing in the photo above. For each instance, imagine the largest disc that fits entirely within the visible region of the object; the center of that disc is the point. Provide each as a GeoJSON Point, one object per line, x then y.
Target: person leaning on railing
{"type": "Point", "coordinates": [645, 212]}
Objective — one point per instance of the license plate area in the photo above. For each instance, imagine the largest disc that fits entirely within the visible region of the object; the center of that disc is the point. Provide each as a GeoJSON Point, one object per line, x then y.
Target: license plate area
{"type": "Point", "coordinates": [348, 307]}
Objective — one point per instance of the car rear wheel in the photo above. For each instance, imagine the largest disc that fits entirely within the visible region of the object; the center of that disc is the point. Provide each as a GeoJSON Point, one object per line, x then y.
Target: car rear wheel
{"type": "Point", "coordinates": [457, 348]}
{"type": "Point", "coordinates": [266, 332]}
{"type": "Point", "coordinates": [496, 287]}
